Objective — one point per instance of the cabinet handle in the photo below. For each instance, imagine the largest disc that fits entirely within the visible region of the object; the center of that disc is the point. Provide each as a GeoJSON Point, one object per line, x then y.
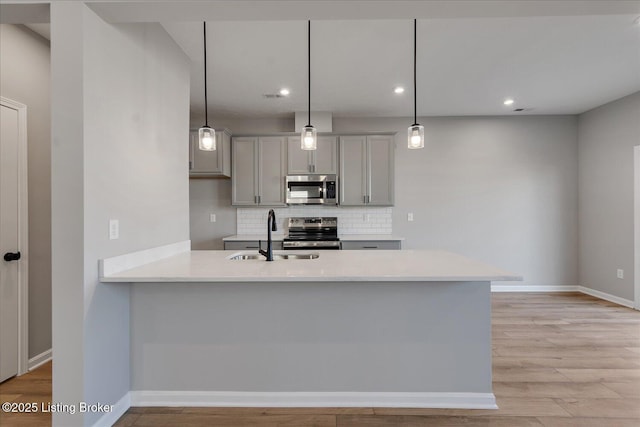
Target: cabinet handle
{"type": "Point", "coordinates": [259, 200]}
{"type": "Point", "coordinates": [369, 247]}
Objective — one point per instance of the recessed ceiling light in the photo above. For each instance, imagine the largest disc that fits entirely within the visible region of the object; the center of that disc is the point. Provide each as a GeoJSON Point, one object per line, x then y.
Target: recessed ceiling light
{"type": "Point", "coordinates": [398, 89]}
{"type": "Point", "coordinates": [284, 92]}
{"type": "Point", "coordinates": [508, 101]}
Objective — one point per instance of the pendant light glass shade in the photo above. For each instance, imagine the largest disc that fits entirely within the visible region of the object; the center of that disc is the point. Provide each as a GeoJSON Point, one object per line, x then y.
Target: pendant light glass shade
{"type": "Point", "coordinates": [206, 134]}
{"type": "Point", "coordinates": [309, 135]}
{"type": "Point", "coordinates": [206, 139]}
{"type": "Point", "coordinates": [415, 136]}
{"type": "Point", "coordinates": [309, 138]}
{"type": "Point", "coordinates": [415, 133]}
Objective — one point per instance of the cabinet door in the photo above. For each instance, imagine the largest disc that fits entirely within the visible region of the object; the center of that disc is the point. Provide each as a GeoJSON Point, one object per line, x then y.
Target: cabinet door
{"type": "Point", "coordinates": [371, 244]}
{"type": "Point", "coordinates": [353, 170]}
{"type": "Point", "coordinates": [210, 163]}
{"type": "Point", "coordinates": [244, 179]}
{"type": "Point", "coordinates": [380, 166]}
{"type": "Point", "coordinates": [272, 155]}
{"type": "Point", "coordinates": [298, 160]}
{"type": "Point", "coordinates": [325, 158]}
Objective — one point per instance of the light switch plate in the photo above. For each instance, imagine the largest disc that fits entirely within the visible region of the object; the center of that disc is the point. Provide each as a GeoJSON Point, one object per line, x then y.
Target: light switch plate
{"type": "Point", "coordinates": [620, 273]}
{"type": "Point", "coordinates": [212, 217]}
{"type": "Point", "coordinates": [410, 216]}
{"type": "Point", "coordinates": [114, 229]}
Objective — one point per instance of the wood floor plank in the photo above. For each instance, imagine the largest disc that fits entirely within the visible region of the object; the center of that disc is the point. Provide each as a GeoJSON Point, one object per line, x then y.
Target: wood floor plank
{"type": "Point", "coordinates": [588, 422]}
{"type": "Point", "coordinates": [435, 421]}
{"type": "Point", "coordinates": [625, 389]}
{"type": "Point", "coordinates": [602, 408]}
{"type": "Point", "coordinates": [553, 389]}
{"type": "Point", "coordinates": [600, 375]}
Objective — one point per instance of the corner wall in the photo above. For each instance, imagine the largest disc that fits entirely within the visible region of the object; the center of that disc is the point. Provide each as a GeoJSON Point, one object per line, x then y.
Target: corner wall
{"type": "Point", "coordinates": [120, 115]}
{"type": "Point", "coordinates": [607, 136]}
{"type": "Point", "coordinates": [25, 77]}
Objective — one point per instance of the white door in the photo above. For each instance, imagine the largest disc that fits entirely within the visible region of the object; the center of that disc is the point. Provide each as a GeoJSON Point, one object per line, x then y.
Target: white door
{"type": "Point", "coordinates": [9, 144]}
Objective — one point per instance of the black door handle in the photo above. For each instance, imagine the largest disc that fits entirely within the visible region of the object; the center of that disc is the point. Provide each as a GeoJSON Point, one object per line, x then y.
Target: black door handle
{"type": "Point", "coordinates": [12, 256]}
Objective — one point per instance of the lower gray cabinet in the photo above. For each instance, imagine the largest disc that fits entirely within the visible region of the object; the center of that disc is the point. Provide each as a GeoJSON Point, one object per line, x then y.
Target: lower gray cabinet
{"type": "Point", "coordinates": [371, 244]}
{"type": "Point", "coordinates": [239, 245]}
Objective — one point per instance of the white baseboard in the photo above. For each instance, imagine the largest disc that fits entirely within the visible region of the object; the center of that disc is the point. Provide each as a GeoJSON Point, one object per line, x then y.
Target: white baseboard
{"type": "Point", "coordinates": [110, 418]}
{"type": "Point", "coordinates": [607, 297]}
{"type": "Point", "coordinates": [39, 360]}
{"type": "Point", "coordinates": [313, 399]}
{"type": "Point", "coordinates": [534, 288]}
{"type": "Point", "coordinates": [563, 288]}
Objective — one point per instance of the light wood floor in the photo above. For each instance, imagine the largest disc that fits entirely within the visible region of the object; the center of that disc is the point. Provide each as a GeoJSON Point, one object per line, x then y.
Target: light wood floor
{"type": "Point", "coordinates": [559, 360]}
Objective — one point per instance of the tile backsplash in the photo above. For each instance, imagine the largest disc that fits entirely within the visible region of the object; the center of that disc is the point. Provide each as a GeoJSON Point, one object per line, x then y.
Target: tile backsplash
{"type": "Point", "coordinates": [356, 220]}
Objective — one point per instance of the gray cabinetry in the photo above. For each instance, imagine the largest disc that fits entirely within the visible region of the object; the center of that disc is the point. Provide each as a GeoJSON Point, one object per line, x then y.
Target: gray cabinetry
{"type": "Point", "coordinates": [259, 168]}
{"type": "Point", "coordinates": [323, 160]}
{"type": "Point", "coordinates": [215, 163]}
{"type": "Point", "coordinates": [239, 245]}
{"type": "Point", "coordinates": [371, 244]}
{"type": "Point", "coordinates": [367, 170]}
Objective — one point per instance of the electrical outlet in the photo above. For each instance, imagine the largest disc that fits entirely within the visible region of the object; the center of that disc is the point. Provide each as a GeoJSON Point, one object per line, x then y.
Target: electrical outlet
{"type": "Point", "coordinates": [212, 217]}
{"type": "Point", "coordinates": [620, 273]}
{"type": "Point", "coordinates": [410, 216]}
{"type": "Point", "coordinates": [114, 229]}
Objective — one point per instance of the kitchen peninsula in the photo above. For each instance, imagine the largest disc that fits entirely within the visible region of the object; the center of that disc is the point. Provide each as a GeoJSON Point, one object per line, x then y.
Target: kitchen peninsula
{"type": "Point", "coordinates": [349, 328]}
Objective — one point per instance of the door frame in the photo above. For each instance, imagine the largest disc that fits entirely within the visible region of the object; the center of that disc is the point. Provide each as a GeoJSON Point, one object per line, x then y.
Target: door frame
{"type": "Point", "coordinates": [23, 236]}
{"type": "Point", "coordinates": [636, 213]}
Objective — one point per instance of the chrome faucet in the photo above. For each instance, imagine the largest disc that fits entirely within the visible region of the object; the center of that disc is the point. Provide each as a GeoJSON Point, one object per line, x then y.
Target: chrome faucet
{"type": "Point", "coordinates": [271, 226]}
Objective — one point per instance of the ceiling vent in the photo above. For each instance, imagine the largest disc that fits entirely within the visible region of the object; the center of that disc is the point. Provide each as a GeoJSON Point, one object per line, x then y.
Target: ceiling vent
{"type": "Point", "coordinates": [272, 95]}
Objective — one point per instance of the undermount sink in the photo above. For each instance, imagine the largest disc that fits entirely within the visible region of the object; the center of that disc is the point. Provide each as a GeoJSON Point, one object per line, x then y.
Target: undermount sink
{"type": "Point", "coordinates": [276, 256]}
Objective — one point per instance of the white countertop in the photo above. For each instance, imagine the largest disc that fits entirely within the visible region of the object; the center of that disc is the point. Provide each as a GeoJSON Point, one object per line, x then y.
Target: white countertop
{"type": "Point", "coordinates": [346, 237]}
{"type": "Point", "coordinates": [331, 266]}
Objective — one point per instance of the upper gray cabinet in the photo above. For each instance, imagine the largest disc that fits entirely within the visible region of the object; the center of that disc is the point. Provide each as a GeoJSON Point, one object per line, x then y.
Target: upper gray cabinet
{"type": "Point", "coordinates": [323, 160]}
{"type": "Point", "coordinates": [259, 169]}
{"type": "Point", "coordinates": [367, 170]}
{"type": "Point", "coordinates": [210, 163]}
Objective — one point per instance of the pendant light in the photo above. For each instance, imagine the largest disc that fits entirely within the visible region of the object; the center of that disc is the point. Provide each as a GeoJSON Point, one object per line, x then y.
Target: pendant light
{"type": "Point", "coordinates": [309, 136]}
{"type": "Point", "coordinates": [415, 133]}
{"type": "Point", "coordinates": [206, 134]}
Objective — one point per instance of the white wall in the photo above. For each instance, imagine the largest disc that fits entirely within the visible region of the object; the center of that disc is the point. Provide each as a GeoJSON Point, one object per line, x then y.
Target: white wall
{"type": "Point", "coordinates": [25, 76]}
{"type": "Point", "coordinates": [120, 112]}
{"type": "Point", "coordinates": [499, 189]}
{"type": "Point", "coordinates": [607, 137]}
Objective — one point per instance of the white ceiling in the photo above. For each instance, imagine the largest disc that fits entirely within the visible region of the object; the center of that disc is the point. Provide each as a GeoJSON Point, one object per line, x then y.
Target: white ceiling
{"type": "Point", "coordinates": [552, 57]}
{"type": "Point", "coordinates": [466, 66]}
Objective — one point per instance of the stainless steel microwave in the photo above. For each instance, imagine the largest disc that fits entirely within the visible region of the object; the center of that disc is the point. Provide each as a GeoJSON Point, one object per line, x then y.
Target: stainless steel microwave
{"type": "Point", "coordinates": [312, 190]}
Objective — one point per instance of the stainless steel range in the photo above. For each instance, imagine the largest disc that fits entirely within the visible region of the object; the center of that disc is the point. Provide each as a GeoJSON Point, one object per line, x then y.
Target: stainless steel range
{"type": "Point", "coordinates": [312, 233]}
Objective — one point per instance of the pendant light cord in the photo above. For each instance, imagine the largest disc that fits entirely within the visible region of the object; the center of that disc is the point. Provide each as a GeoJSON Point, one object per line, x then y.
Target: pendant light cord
{"type": "Point", "coordinates": [206, 108]}
{"type": "Point", "coordinates": [415, 86]}
{"type": "Point", "coordinates": [309, 71]}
